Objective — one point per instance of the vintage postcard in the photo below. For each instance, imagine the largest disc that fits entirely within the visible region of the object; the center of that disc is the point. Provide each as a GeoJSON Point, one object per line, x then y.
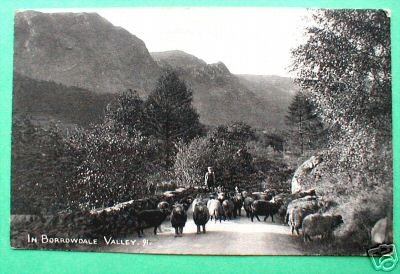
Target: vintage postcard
{"type": "Point", "coordinates": [218, 131]}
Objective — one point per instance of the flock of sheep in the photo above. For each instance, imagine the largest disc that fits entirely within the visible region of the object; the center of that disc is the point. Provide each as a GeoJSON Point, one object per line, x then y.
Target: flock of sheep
{"type": "Point", "coordinates": [304, 212]}
{"type": "Point", "coordinates": [301, 210]}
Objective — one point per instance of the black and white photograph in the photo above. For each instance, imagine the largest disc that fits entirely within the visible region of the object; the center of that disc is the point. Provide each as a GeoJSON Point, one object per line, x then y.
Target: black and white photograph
{"type": "Point", "coordinates": [202, 130]}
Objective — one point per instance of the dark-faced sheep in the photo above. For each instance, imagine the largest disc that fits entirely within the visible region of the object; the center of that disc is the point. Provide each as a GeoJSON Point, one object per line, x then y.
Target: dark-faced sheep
{"type": "Point", "coordinates": [215, 209]}
{"type": "Point", "coordinates": [270, 192]}
{"type": "Point", "coordinates": [201, 216]}
{"type": "Point", "coordinates": [247, 205]}
{"type": "Point", "coordinates": [320, 225]}
{"type": "Point", "coordinates": [238, 203]}
{"type": "Point", "coordinates": [212, 195]}
{"type": "Point", "coordinates": [283, 200]}
{"type": "Point", "coordinates": [152, 203]}
{"type": "Point", "coordinates": [227, 207]}
{"type": "Point", "coordinates": [282, 212]}
{"type": "Point", "coordinates": [185, 202]}
{"type": "Point", "coordinates": [178, 219]}
{"type": "Point", "coordinates": [260, 196]}
{"type": "Point", "coordinates": [281, 196]}
{"type": "Point", "coordinates": [221, 197]}
{"type": "Point", "coordinates": [264, 208]}
{"type": "Point", "coordinates": [163, 206]}
{"type": "Point", "coordinates": [150, 218]}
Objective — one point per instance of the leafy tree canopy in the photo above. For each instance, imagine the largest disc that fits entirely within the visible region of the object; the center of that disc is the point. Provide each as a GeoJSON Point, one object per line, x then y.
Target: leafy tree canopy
{"type": "Point", "coordinates": [345, 66]}
{"type": "Point", "coordinates": [170, 116]}
{"type": "Point", "coordinates": [345, 63]}
{"type": "Point", "coordinates": [128, 111]}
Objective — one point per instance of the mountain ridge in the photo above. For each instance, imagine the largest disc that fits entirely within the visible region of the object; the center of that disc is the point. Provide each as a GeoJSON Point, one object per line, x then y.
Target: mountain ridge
{"type": "Point", "coordinates": [84, 50]}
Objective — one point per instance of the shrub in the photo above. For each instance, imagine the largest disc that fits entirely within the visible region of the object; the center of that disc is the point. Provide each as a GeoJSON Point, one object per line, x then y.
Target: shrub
{"type": "Point", "coordinates": [224, 148]}
{"type": "Point", "coordinates": [114, 166]}
{"type": "Point", "coordinates": [41, 165]}
{"type": "Point", "coordinates": [360, 214]}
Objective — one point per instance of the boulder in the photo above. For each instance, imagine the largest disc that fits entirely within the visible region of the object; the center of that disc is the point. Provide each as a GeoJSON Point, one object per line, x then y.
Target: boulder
{"type": "Point", "coordinates": [302, 171]}
{"type": "Point", "coordinates": [382, 232]}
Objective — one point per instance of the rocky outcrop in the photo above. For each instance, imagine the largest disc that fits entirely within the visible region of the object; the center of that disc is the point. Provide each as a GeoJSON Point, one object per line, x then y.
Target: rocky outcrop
{"type": "Point", "coordinates": [382, 231]}
{"type": "Point", "coordinates": [303, 171]}
{"type": "Point", "coordinates": [177, 59]}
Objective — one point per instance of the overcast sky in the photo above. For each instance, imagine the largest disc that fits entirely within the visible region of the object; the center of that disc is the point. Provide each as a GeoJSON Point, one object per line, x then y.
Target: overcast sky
{"type": "Point", "coordinates": [247, 40]}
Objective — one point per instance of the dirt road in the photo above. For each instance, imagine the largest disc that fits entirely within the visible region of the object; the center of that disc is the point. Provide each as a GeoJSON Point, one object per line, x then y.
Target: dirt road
{"type": "Point", "coordinates": [235, 237]}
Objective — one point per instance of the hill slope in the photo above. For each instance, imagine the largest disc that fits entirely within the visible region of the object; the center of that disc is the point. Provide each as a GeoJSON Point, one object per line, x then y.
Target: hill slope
{"type": "Point", "coordinates": [82, 50]}
{"type": "Point", "coordinates": [221, 96]}
{"type": "Point", "coordinates": [45, 101]}
{"type": "Point", "coordinates": [277, 91]}
{"type": "Point", "coordinates": [86, 51]}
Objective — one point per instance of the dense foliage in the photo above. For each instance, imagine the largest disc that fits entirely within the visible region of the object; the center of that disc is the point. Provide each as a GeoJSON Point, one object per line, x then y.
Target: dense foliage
{"type": "Point", "coordinates": [304, 126]}
{"type": "Point", "coordinates": [166, 115]}
{"type": "Point", "coordinates": [170, 116]}
{"type": "Point", "coordinates": [240, 157]}
{"type": "Point", "coordinates": [114, 165]}
{"type": "Point", "coordinates": [41, 167]}
{"type": "Point", "coordinates": [105, 163]}
{"type": "Point", "coordinates": [128, 112]}
{"type": "Point", "coordinates": [345, 66]}
{"type": "Point", "coordinates": [228, 150]}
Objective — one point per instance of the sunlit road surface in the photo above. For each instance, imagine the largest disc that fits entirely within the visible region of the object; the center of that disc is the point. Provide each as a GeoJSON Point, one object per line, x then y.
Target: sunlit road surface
{"type": "Point", "coordinates": [235, 237]}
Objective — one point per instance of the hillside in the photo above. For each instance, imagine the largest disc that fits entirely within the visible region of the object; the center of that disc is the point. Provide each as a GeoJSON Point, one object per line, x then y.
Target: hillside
{"type": "Point", "coordinates": [275, 88]}
{"type": "Point", "coordinates": [45, 101]}
{"type": "Point", "coordinates": [276, 91]}
{"type": "Point", "coordinates": [177, 59]}
{"type": "Point", "coordinates": [86, 51]}
{"type": "Point", "coordinates": [261, 101]}
{"type": "Point", "coordinates": [82, 50]}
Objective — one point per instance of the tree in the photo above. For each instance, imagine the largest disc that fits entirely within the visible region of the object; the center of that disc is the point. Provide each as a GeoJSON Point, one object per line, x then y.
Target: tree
{"type": "Point", "coordinates": [224, 148]}
{"type": "Point", "coordinates": [114, 167]}
{"type": "Point", "coordinates": [128, 111]}
{"type": "Point", "coordinates": [345, 66]}
{"type": "Point", "coordinates": [41, 167]}
{"type": "Point", "coordinates": [305, 128]}
{"type": "Point", "coordinates": [170, 116]}
{"type": "Point", "coordinates": [236, 132]}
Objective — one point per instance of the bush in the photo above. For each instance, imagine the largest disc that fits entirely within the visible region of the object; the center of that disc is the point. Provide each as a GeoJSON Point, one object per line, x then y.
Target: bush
{"type": "Point", "coordinates": [360, 213]}
{"type": "Point", "coordinates": [41, 165]}
{"type": "Point", "coordinates": [114, 166]}
{"type": "Point", "coordinates": [361, 198]}
{"type": "Point", "coordinates": [271, 165]}
{"type": "Point", "coordinates": [224, 148]}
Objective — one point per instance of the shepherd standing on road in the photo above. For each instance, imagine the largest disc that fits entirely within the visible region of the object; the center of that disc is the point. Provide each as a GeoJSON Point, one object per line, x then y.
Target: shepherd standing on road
{"type": "Point", "coordinates": [209, 179]}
